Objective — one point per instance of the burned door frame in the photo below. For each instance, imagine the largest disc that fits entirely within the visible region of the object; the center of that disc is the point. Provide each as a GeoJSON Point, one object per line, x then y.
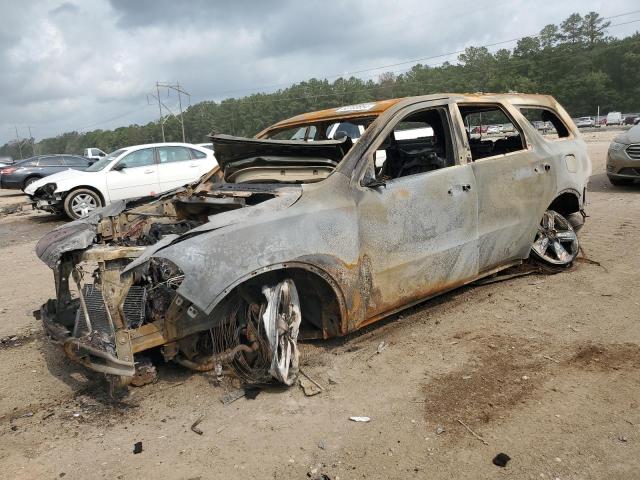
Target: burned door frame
{"type": "Point", "coordinates": [418, 233]}
{"type": "Point", "coordinates": [514, 189]}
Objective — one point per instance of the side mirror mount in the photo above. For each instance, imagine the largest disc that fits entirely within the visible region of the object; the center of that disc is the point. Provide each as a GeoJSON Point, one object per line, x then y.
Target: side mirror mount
{"type": "Point", "coordinates": [370, 180]}
{"type": "Point", "coordinates": [373, 182]}
{"type": "Point", "coordinates": [118, 167]}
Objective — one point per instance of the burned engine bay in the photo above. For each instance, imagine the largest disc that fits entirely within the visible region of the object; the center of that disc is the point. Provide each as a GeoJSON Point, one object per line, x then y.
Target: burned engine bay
{"type": "Point", "coordinates": [116, 296]}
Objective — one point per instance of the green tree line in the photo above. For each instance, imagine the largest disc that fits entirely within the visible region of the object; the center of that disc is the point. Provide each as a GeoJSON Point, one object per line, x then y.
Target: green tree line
{"type": "Point", "coordinates": [574, 61]}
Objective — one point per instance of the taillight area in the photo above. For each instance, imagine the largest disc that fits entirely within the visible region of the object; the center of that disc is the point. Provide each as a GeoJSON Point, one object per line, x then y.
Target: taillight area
{"type": "Point", "coordinates": [8, 171]}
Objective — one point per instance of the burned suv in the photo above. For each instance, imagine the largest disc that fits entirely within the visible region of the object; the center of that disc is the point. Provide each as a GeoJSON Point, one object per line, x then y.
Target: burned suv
{"type": "Point", "coordinates": [321, 224]}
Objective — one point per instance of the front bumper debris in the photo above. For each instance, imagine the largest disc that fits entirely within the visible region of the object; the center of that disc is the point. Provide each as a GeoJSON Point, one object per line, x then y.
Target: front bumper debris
{"type": "Point", "coordinates": [94, 350]}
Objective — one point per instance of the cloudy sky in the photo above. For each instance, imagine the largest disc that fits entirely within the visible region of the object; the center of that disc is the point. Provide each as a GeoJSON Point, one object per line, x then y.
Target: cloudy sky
{"type": "Point", "coordinates": [87, 64]}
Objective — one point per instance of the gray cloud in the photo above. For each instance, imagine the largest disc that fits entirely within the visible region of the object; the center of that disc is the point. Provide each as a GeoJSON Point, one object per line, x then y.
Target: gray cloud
{"type": "Point", "coordinates": [69, 66]}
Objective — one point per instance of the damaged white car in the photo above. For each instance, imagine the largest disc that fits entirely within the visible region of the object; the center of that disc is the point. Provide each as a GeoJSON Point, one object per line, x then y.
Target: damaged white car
{"type": "Point", "coordinates": [306, 232]}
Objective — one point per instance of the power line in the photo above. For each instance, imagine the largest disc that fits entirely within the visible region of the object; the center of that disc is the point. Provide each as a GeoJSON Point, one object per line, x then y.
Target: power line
{"type": "Point", "coordinates": [416, 60]}
{"type": "Point", "coordinates": [514, 64]}
{"type": "Point", "coordinates": [344, 74]}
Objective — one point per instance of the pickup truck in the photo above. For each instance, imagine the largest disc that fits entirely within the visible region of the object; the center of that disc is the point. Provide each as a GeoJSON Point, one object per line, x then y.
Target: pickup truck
{"type": "Point", "coordinates": [93, 153]}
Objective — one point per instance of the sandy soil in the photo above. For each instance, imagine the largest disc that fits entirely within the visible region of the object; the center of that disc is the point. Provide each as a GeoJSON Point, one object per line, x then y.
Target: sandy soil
{"type": "Point", "coordinates": [545, 368]}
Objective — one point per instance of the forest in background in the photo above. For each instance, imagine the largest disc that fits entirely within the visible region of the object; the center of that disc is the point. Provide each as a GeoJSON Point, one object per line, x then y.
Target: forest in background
{"type": "Point", "coordinates": [575, 61]}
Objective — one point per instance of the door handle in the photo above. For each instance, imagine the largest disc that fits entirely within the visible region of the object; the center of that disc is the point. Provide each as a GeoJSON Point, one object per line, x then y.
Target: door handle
{"type": "Point", "coordinates": [194, 165]}
{"type": "Point", "coordinates": [148, 171]}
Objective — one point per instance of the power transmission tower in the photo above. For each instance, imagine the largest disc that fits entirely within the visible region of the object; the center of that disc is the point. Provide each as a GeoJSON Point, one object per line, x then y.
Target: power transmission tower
{"type": "Point", "coordinates": [33, 143]}
{"type": "Point", "coordinates": [18, 142]}
{"type": "Point", "coordinates": [176, 88]}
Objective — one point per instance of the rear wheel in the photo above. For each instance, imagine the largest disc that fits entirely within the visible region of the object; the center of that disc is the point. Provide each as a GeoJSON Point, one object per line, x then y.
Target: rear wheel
{"type": "Point", "coordinates": [556, 242]}
{"type": "Point", "coordinates": [81, 202]}
{"type": "Point", "coordinates": [29, 181]}
{"type": "Point", "coordinates": [620, 181]}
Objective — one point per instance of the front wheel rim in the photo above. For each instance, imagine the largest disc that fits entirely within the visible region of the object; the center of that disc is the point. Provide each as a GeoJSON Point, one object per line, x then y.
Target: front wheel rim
{"type": "Point", "coordinates": [83, 204]}
{"type": "Point", "coordinates": [556, 242]}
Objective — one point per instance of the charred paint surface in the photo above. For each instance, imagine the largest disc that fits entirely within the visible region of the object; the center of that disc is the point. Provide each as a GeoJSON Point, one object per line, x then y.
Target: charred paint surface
{"type": "Point", "coordinates": [197, 253]}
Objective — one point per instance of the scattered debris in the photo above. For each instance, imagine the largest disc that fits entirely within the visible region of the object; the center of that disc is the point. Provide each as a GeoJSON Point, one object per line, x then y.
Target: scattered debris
{"type": "Point", "coordinates": [573, 328]}
{"type": "Point", "coordinates": [551, 358]}
{"type": "Point", "coordinates": [321, 445]}
{"type": "Point", "coordinates": [218, 372]}
{"type": "Point", "coordinates": [360, 419]}
{"type": "Point", "coordinates": [232, 396]}
{"type": "Point", "coordinates": [194, 425]}
{"type": "Point", "coordinates": [322, 476]}
{"type": "Point", "coordinates": [382, 346]}
{"type": "Point", "coordinates": [137, 448]}
{"type": "Point", "coordinates": [145, 373]}
{"type": "Point", "coordinates": [250, 391]}
{"type": "Point", "coordinates": [501, 459]}
{"type": "Point", "coordinates": [439, 430]}
{"type": "Point", "coordinates": [309, 388]}
{"type": "Point", "coordinates": [622, 438]}
{"type": "Point", "coordinates": [472, 432]}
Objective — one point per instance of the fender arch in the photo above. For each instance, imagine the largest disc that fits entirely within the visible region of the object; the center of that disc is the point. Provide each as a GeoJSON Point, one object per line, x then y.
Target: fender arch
{"type": "Point", "coordinates": [328, 315]}
{"type": "Point", "coordinates": [566, 202]}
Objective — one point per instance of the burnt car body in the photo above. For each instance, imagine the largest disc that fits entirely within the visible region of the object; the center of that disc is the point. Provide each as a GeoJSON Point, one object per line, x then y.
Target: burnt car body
{"type": "Point", "coordinates": [316, 236]}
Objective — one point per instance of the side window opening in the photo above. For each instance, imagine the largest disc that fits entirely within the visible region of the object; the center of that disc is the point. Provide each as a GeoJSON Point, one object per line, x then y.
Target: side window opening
{"type": "Point", "coordinates": [545, 121]}
{"type": "Point", "coordinates": [173, 154]}
{"type": "Point", "coordinates": [490, 131]}
{"type": "Point", "coordinates": [138, 158]}
{"type": "Point", "coordinates": [419, 143]}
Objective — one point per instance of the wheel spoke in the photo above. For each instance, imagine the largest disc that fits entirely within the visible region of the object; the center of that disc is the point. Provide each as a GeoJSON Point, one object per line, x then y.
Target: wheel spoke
{"type": "Point", "coordinates": [541, 245]}
{"type": "Point", "coordinates": [566, 236]}
{"type": "Point", "coordinates": [560, 251]}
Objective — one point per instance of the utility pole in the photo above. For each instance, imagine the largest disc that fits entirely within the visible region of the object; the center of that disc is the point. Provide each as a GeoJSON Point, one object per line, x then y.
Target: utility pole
{"type": "Point", "coordinates": [33, 143]}
{"type": "Point", "coordinates": [176, 87]}
{"type": "Point", "coordinates": [18, 142]}
{"type": "Point", "coordinates": [180, 104]}
{"type": "Point", "coordinates": [160, 108]}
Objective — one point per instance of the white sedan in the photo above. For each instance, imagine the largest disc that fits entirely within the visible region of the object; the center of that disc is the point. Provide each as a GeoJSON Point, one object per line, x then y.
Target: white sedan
{"type": "Point", "coordinates": [130, 172]}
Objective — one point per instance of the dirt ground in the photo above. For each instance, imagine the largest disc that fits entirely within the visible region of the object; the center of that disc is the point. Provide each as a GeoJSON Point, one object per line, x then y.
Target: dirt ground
{"type": "Point", "coordinates": [545, 368]}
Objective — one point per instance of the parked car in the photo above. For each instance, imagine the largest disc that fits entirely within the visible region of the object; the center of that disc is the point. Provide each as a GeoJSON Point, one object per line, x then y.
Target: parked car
{"type": "Point", "coordinates": [94, 153]}
{"type": "Point", "coordinates": [585, 122]}
{"type": "Point", "coordinates": [623, 157]}
{"type": "Point", "coordinates": [614, 118]}
{"type": "Point", "coordinates": [631, 119]}
{"type": "Point", "coordinates": [130, 172]}
{"type": "Point", "coordinates": [25, 172]}
{"type": "Point", "coordinates": [291, 239]}
{"type": "Point", "coordinates": [205, 145]}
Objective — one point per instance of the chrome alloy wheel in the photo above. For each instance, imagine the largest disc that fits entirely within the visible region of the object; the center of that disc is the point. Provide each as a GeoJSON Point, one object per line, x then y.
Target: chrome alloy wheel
{"type": "Point", "coordinates": [83, 204]}
{"type": "Point", "coordinates": [556, 242]}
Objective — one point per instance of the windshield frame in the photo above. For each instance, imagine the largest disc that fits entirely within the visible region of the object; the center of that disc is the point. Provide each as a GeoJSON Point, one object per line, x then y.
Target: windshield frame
{"type": "Point", "coordinates": [105, 161]}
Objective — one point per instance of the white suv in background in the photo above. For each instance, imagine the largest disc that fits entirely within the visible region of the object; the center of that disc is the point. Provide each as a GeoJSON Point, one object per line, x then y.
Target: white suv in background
{"type": "Point", "coordinates": [130, 172]}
